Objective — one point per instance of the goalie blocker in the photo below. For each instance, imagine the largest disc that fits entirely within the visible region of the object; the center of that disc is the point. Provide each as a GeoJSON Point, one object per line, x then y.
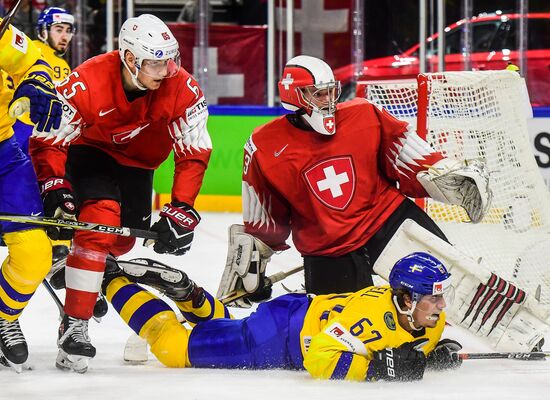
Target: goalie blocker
{"type": "Point", "coordinates": [247, 258]}
{"type": "Point", "coordinates": [485, 304]}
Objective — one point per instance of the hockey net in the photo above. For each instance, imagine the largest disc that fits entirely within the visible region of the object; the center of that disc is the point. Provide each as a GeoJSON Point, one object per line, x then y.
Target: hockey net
{"type": "Point", "coordinates": [468, 115]}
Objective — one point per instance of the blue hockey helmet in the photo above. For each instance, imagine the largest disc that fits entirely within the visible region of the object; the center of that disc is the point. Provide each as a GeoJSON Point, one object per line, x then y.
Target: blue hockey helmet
{"type": "Point", "coordinates": [421, 274]}
{"type": "Point", "coordinates": [51, 16]}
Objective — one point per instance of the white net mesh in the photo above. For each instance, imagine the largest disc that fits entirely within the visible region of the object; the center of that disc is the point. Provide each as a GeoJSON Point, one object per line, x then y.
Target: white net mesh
{"type": "Point", "coordinates": [482, 115]}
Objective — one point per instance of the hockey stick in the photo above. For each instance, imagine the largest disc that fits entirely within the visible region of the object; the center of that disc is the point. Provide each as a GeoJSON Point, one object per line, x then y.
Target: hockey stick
{"type": "Point", "coordinates": [79, 225]}
{"type": "Point", "coordinates": [539, 355]}
{"type": "Point", "coordinates": [55, 298]}
{"type": "Point", "coordinates": [58, 301]}
{"type": "Point", "coordinates": [268, 281]}
{"type": "Point", "coordinates": [6, 20]}
{"type": "Point", "coordinates": [135, 350]}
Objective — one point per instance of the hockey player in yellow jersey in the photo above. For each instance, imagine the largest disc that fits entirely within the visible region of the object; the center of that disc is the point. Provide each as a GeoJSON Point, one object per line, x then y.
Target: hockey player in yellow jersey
{"type": "Point", "coordinates": [29, 248]}
{"type": "Point", "coordinates": [54, 29]}
{"type": "Point", "coordinates": [378, 333]}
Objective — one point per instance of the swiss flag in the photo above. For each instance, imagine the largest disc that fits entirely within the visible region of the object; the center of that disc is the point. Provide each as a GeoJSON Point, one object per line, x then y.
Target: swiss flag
{"type": "Point", "coordinates": [332, 181]}
{"type": "Point", "coordinates": [329, 124]}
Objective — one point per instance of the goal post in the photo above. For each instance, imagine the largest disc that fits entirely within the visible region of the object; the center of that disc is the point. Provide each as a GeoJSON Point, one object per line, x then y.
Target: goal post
{"type": "Point", "coordinates": [469, 115]}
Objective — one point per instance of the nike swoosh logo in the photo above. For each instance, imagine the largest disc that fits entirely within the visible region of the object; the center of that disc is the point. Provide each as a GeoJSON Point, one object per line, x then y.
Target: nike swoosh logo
{"type": "Point", "coordinates": [278, 153]}
{"type": "Point", "coordinates": [103, 113]}
{"type": "Point", "coordinates": [35, 214]}
{"type": "Point", "coordinates": [146, 218]}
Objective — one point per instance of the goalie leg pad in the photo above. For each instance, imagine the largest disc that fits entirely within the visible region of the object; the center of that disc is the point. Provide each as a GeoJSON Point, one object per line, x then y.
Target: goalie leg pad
{"type": "Point", "coordinates": [485, 304]}
{"type": "Point", "coordinates": [247, 258]}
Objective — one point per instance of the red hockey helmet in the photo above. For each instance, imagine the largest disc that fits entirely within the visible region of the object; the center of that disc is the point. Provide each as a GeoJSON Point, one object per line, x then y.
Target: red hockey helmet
{"type": "Point", "coordinates": [308, 84]}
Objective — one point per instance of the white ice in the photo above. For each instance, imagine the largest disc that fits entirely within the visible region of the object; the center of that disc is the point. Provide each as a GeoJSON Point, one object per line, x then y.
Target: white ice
{"type": "Point", "coordinates": [109, 377]}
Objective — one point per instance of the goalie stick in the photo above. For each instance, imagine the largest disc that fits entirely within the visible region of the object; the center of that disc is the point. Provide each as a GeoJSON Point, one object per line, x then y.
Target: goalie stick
{"type": "Point", "coordinates": [79, 225]}
{"type": "Point", "coordinates": [135, 350]}
{"type": "Point", "coordinates": [6, 20]}
{"type": "Point", "coordinates": [538, 355]}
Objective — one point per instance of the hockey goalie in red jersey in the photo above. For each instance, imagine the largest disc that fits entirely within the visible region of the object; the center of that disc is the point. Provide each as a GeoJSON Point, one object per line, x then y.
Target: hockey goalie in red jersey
{"type": "Point", "coordinates": [337, 176]}
{"type": "Point", "coordinates": [124, 112]}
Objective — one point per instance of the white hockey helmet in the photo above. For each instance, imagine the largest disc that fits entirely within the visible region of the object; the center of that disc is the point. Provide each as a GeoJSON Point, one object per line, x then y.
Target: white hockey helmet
{"type": "Point", "coordinates": [308, 87]}
{"type": "Point", "coordinates": [153, 45]}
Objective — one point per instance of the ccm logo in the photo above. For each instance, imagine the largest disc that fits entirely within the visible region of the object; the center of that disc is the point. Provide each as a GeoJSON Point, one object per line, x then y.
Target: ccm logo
{"type": "Point", "coordinates": [110, 229]}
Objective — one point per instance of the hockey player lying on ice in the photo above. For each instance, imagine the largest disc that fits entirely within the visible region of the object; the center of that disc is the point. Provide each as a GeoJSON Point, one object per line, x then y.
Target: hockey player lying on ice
{"type": "Point", "coordinates": [377, 333]}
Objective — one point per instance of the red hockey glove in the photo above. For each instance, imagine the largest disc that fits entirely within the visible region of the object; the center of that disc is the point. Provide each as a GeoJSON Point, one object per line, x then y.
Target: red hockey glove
{"type": "Point", "coordinates": [59, 202]}
{"type": "Point", "coordinates": [175, 228]}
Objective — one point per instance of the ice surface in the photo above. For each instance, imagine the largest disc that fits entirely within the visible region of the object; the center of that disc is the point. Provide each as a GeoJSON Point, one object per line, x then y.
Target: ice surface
{"type": "Point", "coordinates": [109, 377]}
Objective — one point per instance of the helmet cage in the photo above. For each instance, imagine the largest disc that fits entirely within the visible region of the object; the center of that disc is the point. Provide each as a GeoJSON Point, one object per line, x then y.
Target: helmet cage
{"type": "Point", "coordinates": [329, 93]}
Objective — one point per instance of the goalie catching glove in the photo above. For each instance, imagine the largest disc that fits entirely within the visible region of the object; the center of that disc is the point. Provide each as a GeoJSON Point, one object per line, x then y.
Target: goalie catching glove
{"type": "Point", "coordinates": [464, 183]}
{"type": "Point", "coordinates": [247, 258]}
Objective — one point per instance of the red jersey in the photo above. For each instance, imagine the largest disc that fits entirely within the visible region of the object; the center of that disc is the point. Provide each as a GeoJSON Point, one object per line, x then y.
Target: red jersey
{"type": "Point", "coordinates": [333, 192]}
{"type": "Point", "coordinates": [140, 133]}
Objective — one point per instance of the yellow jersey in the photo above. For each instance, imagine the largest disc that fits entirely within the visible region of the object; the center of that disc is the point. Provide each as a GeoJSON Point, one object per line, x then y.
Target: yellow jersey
{"type": "Point", "coordinates": [18, 58]}
{"type": "Point", "coordinates": [355, 324]}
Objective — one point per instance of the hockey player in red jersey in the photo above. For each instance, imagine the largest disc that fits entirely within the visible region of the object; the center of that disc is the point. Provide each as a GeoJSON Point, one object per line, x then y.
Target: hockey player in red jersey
{"type": "Point", "coordinates": [337, 176]}
{"type": "Point", "coordinates": [124, 112]}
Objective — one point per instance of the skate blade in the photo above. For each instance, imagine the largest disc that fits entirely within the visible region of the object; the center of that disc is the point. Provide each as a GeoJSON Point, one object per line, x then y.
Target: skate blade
{"type": "Point", "coordinates": [18, 368]}
{"type": "Point", "coordinates": [72, 362]}
{"type": "Point", "coordinates": [138, 269]}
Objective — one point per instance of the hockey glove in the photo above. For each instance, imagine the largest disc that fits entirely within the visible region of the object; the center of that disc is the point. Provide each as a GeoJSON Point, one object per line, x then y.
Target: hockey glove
{"type": "Point", "coordinates": [444, 356]}
{"type": "Point", "coordinates": [404, 363]}
{"type": "Point", "coordinates": [175, 228]}
{"type": "Point", "coordinates": [465, 183]}
{"type": "Point", "coordinates": [59, 202]}
{"type": "Point", "coordinates": [44, 107]}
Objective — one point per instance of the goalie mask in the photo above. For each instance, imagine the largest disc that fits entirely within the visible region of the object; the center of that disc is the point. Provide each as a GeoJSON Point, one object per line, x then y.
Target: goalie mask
{"type": "Point", "coordinates": [308, 87]}
{"type": "Point", "coordinates": [425, 278]}
{"type": "Point", "coordinates": [153, 45]}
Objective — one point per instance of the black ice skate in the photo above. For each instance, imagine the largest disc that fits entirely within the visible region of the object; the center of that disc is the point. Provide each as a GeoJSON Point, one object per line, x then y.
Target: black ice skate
{"type": "Point", "coordinates": [75, 347]}
{"type": "Point", "coordinates": [13, 347]}
{"type": "Point", "coordinates": [170, 281]}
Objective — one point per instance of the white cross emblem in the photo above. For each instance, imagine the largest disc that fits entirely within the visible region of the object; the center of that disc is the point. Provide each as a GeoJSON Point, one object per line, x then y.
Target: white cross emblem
{"type": "Point", "coordinates": [330, 124]}
{"type": "Point", "coordinates": [312, 22]}
{"type": "Point", "coordinates": [219, 85]}
{"type": "Point", "coordinates": [287, 81]}
{"type": "Point", "coordinates": [333, 181]}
